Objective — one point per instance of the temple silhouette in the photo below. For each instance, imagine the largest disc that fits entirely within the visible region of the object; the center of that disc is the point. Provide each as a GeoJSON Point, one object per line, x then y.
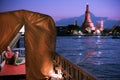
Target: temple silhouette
{"type": "Point", "coordinates": [88, 26]}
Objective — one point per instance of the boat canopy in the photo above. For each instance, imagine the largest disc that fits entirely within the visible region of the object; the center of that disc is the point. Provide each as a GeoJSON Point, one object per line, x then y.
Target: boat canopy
{"type": "Point", "coordinates": [40, 39]}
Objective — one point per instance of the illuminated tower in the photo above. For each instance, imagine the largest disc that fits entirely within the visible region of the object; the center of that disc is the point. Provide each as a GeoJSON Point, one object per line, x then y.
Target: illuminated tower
{"type": "Point", "coordinates": [75, 23]}
{"type": "Point", "coordinates": [101, 25]}
{"type": "Point", "coordinates": [87, 25]}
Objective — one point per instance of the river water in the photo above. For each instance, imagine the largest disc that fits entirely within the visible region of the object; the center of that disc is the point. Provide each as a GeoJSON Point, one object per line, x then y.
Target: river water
{"type": "Point", "coordinates": [99, 55]}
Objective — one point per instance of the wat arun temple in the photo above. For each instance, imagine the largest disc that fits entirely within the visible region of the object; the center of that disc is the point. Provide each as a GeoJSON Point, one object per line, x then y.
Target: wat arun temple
{"type": "Point", "coordinates": [88, 26]}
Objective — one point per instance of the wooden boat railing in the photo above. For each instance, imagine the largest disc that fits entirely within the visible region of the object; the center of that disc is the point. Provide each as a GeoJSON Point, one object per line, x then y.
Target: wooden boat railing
{"type": "Point", "coordinates": [72, 71]}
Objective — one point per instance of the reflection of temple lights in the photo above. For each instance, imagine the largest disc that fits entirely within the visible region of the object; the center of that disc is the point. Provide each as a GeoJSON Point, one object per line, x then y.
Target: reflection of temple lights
{"type": "Point", "coordinates": [99, 53]}
{"type": "Point", "coordinates": [79, 36]}
{"type": "Point", "coordinates": [91, 53]}
{"type": "Point", "coordinates": [98, 63]}
{"type": "Point", "coordinates": [98, 36]}
{"type": "Point", "coordinates": [98, 41]}
{"type": "Point", "coordinates": [80, 53]}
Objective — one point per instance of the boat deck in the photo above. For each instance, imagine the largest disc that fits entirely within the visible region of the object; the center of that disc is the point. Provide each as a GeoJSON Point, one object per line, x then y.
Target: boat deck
{"type": "Point", "coordinates": [13, 72]}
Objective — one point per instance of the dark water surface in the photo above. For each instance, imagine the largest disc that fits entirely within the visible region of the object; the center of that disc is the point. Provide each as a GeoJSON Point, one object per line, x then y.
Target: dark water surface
{"type": "Point", "coordinates": [99, 55]}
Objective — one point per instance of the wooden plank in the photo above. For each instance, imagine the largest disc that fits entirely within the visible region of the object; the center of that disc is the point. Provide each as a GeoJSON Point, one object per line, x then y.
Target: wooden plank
{"type": "Point", "coordinates": [9, 70]}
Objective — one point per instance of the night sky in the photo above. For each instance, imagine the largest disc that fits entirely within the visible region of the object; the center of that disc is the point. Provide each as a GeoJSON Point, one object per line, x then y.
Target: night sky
{"type": "Point", "coordinates": [59, 9]}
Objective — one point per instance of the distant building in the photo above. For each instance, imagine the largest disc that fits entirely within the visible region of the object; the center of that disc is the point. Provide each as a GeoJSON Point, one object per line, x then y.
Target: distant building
{"type": "Point", "coordinates": [101, 25]}
{"type": "Point", "coordinates": [61, 30]}
{"type": "Point", "coordinates": [88, 27]}
{"type": "Point", "coordinates": [98, 28]}
{"type": "Point", "coordinates": [75, 23]}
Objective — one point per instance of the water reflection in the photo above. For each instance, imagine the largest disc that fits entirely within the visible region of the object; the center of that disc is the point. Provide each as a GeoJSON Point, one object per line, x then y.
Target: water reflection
{"type": "Point", "coordinates": [92, 50]}
{"type": "Point", "coordinates": [99, 55]}
{"type": "Point", "coordinates": [96, 60]}
{"type": "Point", "coordinates": [96, 53]}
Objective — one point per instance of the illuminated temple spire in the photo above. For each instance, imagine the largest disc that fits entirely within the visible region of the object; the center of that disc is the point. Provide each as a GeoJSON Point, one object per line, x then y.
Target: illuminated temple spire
{"type": "Point", "coordinates": [87, 24]}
